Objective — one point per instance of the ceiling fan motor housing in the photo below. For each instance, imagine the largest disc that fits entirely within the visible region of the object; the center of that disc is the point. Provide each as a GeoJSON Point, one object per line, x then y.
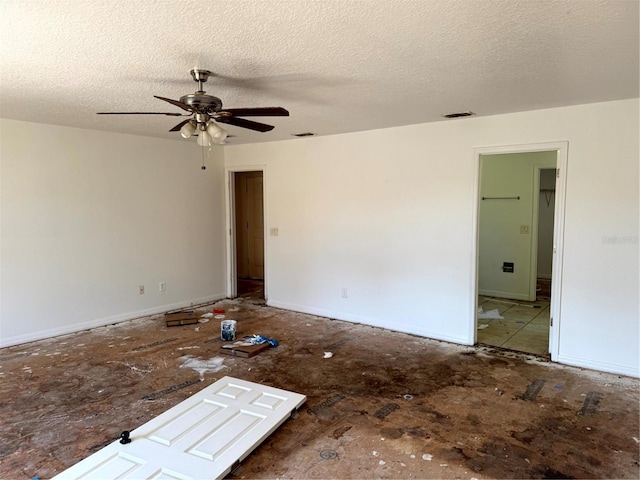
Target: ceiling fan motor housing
{"type": "Point", "coordinates": [202, 103]}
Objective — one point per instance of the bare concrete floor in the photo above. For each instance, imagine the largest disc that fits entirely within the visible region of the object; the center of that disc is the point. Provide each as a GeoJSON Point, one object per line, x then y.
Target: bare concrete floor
{"type": "Point", "coordinates": [386, 405]}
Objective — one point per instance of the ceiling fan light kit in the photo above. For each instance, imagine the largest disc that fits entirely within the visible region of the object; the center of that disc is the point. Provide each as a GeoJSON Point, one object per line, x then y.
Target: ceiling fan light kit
{"type": "Point", "coordinates": [206, 112]}
{"type": "Point", "coordinates": [188, 129]}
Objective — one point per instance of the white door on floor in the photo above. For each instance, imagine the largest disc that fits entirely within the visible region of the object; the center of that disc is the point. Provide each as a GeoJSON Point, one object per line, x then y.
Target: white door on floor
{"type": "Point", "coordinates": [200, 438]}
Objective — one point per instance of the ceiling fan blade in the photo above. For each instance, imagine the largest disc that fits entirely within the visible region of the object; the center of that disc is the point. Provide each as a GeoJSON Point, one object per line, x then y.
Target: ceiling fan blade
{"type": "Point", "coordinates": [142, 113]}
{"type": "Point", "coordinates": [179, 126]}
{"type": "Point", "coordinates": [177, 103]}
{"type": "Point", "coordinates": [241, 122]}
{"type": "Point", "coordinates": [257, 112]}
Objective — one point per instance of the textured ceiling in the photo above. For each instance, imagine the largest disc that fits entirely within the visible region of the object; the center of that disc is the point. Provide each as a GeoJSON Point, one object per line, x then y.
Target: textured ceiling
{"type": "Point", "coordinates": [337, 65]}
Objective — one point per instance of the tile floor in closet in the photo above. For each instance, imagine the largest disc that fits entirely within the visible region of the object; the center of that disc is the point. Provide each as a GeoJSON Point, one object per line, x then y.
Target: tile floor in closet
{"type": "Point", "coordinates": [525, 326]}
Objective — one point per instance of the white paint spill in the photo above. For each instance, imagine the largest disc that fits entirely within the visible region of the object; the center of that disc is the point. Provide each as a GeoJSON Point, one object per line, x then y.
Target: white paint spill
{"type": "Point", "coordinates": [375, 454]}
{"type": "Point", "coordinates": [197, 329]}
{"type": "Point", "coordinates": [427, 457]}
{"type": "Point", "coordinates": [382, 462]}
{"type": "Point", "coordinates": [413, 456]}
{"type": "Point", "coordinates": [444, 464]}
{"type": "Point", "coordinates": [482, 326]}
{"type": "Point", "coordinates": [327, 355]}
{"type": "Point", "coordinates": [636, 439]}
{"type": "Point", "coordinates": [403, 464]}
{"type": "Point", "coordinates": [201, 366]}
{"type": "Point", "coordinates": [489, 314]}
{"type": "Point", "coordinates": [187, 348]}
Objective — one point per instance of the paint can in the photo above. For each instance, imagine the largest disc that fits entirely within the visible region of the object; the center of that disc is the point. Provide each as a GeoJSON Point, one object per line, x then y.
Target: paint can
{"type": "Point", "coordinates": [228, 330]}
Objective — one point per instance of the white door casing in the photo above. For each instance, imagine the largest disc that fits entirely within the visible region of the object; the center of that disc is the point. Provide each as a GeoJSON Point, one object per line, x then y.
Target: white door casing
{"type": "Point", "coordinates": [202, 437]}
{"type": "Point", "coordinates": [562, 148]}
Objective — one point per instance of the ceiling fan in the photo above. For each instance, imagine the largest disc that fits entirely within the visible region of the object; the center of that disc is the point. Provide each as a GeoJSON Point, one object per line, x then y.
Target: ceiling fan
{"type": "Point", "coordinates": [206, 112]}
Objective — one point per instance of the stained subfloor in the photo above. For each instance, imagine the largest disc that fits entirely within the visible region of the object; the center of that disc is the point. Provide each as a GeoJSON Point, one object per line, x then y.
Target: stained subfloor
{"type": "Point", "coordinates": [385, 405]}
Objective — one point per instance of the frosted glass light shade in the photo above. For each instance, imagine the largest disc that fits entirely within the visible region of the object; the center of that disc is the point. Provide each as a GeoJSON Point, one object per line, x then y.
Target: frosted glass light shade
{"type": "Point", "coordinates": [220, 138]}
{"type": "Point", "coordinates": [187, 130]}
{"type": "Point", "coordinates": [204, 139]}
{"type": "Point", "coordinates": [217, 133]}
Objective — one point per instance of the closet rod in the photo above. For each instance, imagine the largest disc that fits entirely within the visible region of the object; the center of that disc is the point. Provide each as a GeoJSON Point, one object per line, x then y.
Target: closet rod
{"type": "Point", "coordinates": [500, 198]}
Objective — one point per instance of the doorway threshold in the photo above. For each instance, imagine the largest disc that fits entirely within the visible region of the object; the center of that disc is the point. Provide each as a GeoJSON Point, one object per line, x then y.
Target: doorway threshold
{"type": "Point", "coordinates": [511, 353]}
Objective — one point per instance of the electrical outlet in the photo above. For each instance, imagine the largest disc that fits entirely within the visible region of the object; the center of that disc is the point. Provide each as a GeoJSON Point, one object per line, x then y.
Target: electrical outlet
{"type": "Point", "coordinates": [524, 229]}
{"type": "Point", "coordinates": [273, 231]}
{"type": "Point", "coordinates": [141, 290]}
{"type": "Point", "coordinates": [344, 293]}
{"type": "Point", "coordinates": [162, 286]}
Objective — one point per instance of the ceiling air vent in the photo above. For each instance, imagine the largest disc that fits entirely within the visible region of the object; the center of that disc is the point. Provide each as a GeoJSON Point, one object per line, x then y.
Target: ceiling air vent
{"type": "Point", "coordinates": [459, 114]}
{"type": "Point", "coordinates": [305, 134]}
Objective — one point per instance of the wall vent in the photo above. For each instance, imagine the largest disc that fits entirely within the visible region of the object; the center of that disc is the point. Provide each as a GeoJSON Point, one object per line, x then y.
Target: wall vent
{"type": "Point", "coordinates": [305, 134]}
{"type": "Point", "coordinates": [459, 114]}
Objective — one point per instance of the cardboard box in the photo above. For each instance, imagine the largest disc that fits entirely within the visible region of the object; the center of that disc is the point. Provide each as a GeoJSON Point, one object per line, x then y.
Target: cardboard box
{"type": "Point", "coordinates": [181, 318]}
{"type": "Point", "coordinates": [240, 349]}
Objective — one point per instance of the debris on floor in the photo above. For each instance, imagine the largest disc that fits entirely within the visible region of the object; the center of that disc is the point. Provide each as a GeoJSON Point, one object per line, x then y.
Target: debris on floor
{"type": "Point", "coordinates": [258, 339]}
{"type": "Point", "coordinates": [176, 319]}
{"type": "Point", "coordinates": [489, 314]}
{"type": "Point", "coordinates": [327, 355]}
{"type": "Point", "coordinates": [228, 330]}
{"type": "Point", "coordinates": [243, 349]}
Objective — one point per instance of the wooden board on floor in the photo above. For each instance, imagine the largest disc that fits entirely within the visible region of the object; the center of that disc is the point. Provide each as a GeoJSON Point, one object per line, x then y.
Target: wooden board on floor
{"type": "Point", "coordinates": [241, 349]}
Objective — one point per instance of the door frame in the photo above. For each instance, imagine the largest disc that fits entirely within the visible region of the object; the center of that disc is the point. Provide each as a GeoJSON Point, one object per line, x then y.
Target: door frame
{"type": "Point", "coordinates": [533, 260]}
{"type": "Point", "coordinates": [230, 208]}
{"type": "Point", "coordinates": [561, 148]}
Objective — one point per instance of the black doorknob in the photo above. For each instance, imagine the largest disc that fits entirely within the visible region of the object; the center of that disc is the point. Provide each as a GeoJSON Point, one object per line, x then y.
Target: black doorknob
{"type": "Point", "coordinates": [124, 437]}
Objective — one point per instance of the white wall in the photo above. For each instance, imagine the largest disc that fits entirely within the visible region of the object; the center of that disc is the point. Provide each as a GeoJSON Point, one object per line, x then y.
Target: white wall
{"type": "Point", "coordinates": [389, 215]}
{"type": "Point", "coordinates": [88, 216]}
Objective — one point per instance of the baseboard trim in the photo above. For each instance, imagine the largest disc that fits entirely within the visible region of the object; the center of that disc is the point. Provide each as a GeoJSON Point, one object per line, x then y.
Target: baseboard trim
{"type": "Point", "coordinates": [101, 322]}
{"type": "Point", "coordinates": [506, 295]}
{"type": "Point", "coordinates": [373, 322]}
{"type": "Point", "coordinates": [599, 366]}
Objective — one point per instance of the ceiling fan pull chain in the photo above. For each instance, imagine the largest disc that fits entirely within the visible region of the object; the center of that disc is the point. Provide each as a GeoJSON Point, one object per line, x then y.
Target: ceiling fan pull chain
{"type": "Point", "coordinates": [203, 167]}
